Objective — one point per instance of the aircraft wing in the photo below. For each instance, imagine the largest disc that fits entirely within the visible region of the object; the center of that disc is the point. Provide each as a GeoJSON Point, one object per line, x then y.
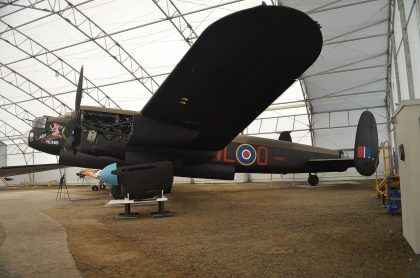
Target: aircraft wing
{"type": "Point", "coordinates": [234, 71]}
{"type": "Point", "coordinates": [26, 169]}
{"type": "Point", "coordinates": [330, 165]}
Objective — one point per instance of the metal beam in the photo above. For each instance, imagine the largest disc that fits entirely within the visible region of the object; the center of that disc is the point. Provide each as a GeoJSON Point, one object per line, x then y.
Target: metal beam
{"type": "Point", "coordinates": [9, 132]}
{"type": "Point", "coordinates": [92, 31]}
{"type": "Point", "coordinates": [16, 110]}
{"type": "Point", "coordinates": [340, 7]}
{"type": "Point", "coordinates": [307, 129]}
{"type": "Point", "coordinates": [356, 30]}
{"type": "Point", "coordinates": [181, 25]}
{"type": "Point", "coordinates": [4, 4]}
{"type": "Point", "coordinates": [32, 89]}
{"type": "Point", "coordinates": [407, 54]}
{"type": "Point", "coordinates": [321, 112]}
{"type": "Point", "coordinates": [30, 5]}
{"type": "Point", "coordinates": [309, 108]}
{"type": "Point", "coordinates": [357, 39]}
{"type": "Point", "coordinates": [116, 32]}
{"type": "Point", "coordinates": [389, 100]}
{"type": "Point", "coordinates": [395, 59]}
{"type": "Point", "coordinates": [40, 53]}
{"type": "Point", "coordinates": [354, 87]}
{"type": "Point", "coordinates": [333, 70]}
{"type": "Point", "coordinates": [332, 96]}
{"type": "Point", "coordinates": [349, 109]}
{"type": "Point", "coordinates": [18, 10]}
{"type": "Point", "coordinates": [348, 70]}
{"type": "Point", "coordinates": [351, 94]}
{"type": "Point", "coordinates": [314, 10]}
{"type": "Point", "coordinates": [95, 87]}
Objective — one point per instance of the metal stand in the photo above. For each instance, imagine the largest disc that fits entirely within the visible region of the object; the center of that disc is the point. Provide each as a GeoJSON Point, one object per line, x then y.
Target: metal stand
{"type": "Point", "coordinates": [62, 186]}
{"type": "Point", "coordinates": [126, 202]}
{"type": "Point", "coordinates": [127, 212]}
{"type": "Point", "coordinates": [162, 212]}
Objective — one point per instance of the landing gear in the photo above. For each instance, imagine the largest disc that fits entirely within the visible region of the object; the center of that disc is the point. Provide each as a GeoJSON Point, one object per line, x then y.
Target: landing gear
{"type": "Point", "coordinates": [101, 185]}
{"type": "Point", "coordinates": [313, 179]}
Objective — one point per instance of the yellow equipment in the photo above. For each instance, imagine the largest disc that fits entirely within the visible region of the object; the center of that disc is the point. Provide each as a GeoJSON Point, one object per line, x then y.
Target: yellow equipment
{"type": "Point", "coordinates": [389, 172]}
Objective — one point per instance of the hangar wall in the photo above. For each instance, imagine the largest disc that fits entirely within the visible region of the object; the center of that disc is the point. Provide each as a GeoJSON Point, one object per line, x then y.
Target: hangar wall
{"type": "Point", "coordinates": [3, 154]}
{"type": "Point", "coordinates": [405, 52]}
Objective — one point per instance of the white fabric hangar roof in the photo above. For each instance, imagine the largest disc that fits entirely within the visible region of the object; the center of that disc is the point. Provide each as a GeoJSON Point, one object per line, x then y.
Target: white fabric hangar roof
{"type": "Point", "coordinates": [351, 73]}
{"type": "Point", "coordinates": [44, 42]}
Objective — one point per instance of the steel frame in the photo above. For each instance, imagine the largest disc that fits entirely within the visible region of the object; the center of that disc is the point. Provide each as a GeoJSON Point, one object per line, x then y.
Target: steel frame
{"type": "Point", "coordinates": [72, 14]}
{"type": "Point", "coordinates": [16, 110]}
{"type": "Point", "coordinates": [32, 89]}
{"type": "Point", "coordinates": [113, 33]}
{"type": "Point", "coordinates": [171, 12]}
{"type": "Point", "coordinates": [10, 132]}
{"type": "Point", "coordinates": [40, 53]}
{"type": "Point", "coordinates": [406, 49]}
{"type": "Point", "coordinates": [319, 10]}
{"type": "Point", "coordinates": [335, 69]}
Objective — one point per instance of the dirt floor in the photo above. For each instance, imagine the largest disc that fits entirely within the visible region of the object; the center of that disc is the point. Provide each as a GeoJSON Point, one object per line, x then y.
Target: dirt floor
{"type": "Point", "coordinates": [244, 230]}
{"type": "Point", "coordinates": [2, 234]}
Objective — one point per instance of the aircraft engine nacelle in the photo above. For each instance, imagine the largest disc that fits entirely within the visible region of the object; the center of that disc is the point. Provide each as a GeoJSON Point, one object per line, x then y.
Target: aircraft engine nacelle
{"type": "Point", "coordinates": [139, 181]}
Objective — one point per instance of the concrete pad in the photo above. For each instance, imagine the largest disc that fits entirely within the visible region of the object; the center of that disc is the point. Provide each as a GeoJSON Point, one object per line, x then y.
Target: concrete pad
{"type": "Point", "coordinates": [35, 244]}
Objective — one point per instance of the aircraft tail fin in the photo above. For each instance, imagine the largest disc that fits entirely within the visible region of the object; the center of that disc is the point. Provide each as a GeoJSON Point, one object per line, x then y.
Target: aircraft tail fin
{"type": "Point", "coordinates": [366, 149]}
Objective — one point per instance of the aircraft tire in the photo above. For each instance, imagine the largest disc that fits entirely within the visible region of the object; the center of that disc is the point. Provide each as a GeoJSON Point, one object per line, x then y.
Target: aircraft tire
{"type": "Point", "coordinates": [102, 185]}
{"type": "Point", "coordinates": [95, 188]}
{"type": "Point", "coordinates": [116, 192]}
{"type": "Point", "coordinates": [313, 180]}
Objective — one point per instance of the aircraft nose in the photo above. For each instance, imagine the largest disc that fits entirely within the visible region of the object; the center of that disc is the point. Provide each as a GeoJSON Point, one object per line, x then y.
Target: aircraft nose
{"type": "Point", "coordinates": [26, 136]}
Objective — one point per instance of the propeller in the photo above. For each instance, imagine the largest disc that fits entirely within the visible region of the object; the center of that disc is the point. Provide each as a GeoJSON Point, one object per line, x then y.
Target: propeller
{"type": "Point", "coordinates": [72, 131]}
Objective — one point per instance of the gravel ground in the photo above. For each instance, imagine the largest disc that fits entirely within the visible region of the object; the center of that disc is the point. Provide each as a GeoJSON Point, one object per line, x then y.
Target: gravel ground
{"type": "Point", "coordinates": [242, 230]}
{"type": "Point", "coordinates": [2, 234]}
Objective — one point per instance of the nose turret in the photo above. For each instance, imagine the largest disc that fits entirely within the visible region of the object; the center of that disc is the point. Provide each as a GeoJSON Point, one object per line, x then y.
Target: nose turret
{"type": "Point", "coordinates": [46, 134]}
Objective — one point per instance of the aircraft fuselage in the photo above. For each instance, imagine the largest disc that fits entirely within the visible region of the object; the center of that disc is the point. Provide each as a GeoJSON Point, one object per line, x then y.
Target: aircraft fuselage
{"type": "Point", "coordinates": [245, 154]}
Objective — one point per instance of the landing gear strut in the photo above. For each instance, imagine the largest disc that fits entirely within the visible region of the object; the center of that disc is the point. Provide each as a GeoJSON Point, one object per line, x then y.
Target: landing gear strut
{"type": "Point", "coordinates": [101, 185]}
{"type": "Point", "coordinates": [313, 179]}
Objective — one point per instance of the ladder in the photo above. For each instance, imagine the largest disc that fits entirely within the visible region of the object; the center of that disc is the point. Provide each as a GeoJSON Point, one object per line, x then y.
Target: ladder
{"type": "Point", "coordinates": [390, 183]}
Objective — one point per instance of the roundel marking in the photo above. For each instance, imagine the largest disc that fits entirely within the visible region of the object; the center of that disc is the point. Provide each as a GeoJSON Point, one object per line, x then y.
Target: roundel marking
{"type": "Point", "coordinates": [246, 154]}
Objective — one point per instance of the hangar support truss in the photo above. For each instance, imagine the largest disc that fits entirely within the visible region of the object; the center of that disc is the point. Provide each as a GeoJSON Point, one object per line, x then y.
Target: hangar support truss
{"type": "Point", "coordinates": [38, 52]}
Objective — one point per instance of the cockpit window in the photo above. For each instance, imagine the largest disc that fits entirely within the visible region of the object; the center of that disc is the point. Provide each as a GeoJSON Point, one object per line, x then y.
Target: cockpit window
{"type": "Point", "coordinates": [39, 122]}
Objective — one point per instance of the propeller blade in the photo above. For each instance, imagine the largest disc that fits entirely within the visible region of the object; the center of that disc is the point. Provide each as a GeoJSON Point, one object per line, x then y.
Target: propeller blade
{"type": "Point", "coordinates": [72, 131]}
{"type": "Point", "coordinates": [79, 91]}
{"type": "Point", "coordinates": [69, 127]}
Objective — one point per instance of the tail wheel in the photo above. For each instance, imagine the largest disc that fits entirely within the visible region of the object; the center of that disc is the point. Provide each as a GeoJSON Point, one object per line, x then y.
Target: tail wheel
{"type": "Point", "coordinates": [116, 192]}
{"type": "Point", "coordinates": [313, 179]}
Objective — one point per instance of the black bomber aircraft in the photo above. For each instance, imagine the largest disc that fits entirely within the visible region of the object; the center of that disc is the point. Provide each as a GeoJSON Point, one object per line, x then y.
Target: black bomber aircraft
{"type": "Point", "coordinates": [233, 72]}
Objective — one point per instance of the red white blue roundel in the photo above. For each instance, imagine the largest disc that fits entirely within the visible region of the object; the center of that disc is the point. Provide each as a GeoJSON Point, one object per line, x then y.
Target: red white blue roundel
{"type": "Point", "coordinates": [245, 154]}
